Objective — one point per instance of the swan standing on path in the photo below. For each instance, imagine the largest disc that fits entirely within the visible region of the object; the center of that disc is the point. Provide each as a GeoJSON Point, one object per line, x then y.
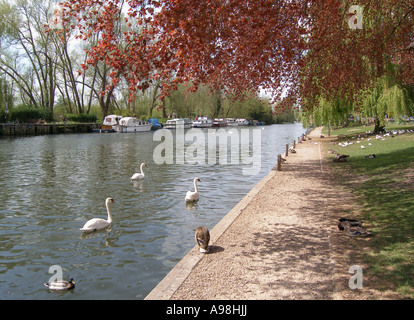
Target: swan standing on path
{"type": "Point", "coordinates": [98, 223]}
{"type": "Point", "coordinates": [137, 176]}
{"type": "Point", "coordinates": [193, 196]}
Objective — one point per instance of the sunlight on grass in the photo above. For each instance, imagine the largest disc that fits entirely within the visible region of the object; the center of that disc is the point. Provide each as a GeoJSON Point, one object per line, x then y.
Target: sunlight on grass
{"type": "Point", "coordinates": [386, 193]}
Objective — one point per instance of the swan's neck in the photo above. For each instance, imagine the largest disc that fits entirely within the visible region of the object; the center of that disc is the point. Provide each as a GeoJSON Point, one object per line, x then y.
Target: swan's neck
{"type": "Point", "coordinates": [195, 186]}
{"type": "Point", "coordinates": [142, 172]}
{"type": "Point", "coordinates": [109, 212]}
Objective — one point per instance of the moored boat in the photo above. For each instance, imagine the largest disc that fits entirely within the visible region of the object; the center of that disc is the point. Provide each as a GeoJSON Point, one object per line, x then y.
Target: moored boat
{"type": "Point", "coordinates": [231, 122]}
{"type": "Point", "coordinates": [132, 124]}
{"type": "Point", "coordinates": [202, 122]}
{"type": "Point", "coordinates": [155, 124]}
{"type": "Point", "coordinates": [257, 123]}
{"type": "Point", "coordinates": [219, 122]}
{"type": "Point", "coordinates": [184, 123]}
{"type": "Point", "coordinates": [243, 122]}
{"type": "Point", "coordinates": [110, 124]}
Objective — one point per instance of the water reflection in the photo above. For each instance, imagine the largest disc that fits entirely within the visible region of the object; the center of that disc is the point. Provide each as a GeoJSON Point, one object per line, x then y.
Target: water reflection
{"type": "Point", "coordinates": [51, 185]}
{"type": "Point", "coordinates": [191, 206]}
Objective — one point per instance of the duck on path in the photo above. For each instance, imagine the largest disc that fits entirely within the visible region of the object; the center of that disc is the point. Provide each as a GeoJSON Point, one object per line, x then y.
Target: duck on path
{"type": "Point", "coordinates": [353, 227]}
{"type": "Point", "coordinates": [346, 223]}
{"type": "Point", "coordinates": [202, 237]}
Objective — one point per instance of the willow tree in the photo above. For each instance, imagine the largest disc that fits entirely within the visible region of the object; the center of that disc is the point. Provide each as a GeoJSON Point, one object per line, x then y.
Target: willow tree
{"type": "Point", "coordinates": [351, 47]}
{"type": "Point", "coordinates": [387, 98]}
{"type": "Point", "coordinates": [327, 113]}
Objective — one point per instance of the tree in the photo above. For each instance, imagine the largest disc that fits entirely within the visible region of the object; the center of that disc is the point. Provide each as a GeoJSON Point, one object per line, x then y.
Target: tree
{"type": "Point", "coordinates": [25, 52]}
{"type": "Point", "coordinates": [328, 113]}
{"type": "Point", "coordinates": [6, 99]}
{"type": "Point", "coordinates": [342, 62]}
{"type": "Point", "coordinates": [242, 44]}
{"type": "Point", "coordinates": [387, 98]}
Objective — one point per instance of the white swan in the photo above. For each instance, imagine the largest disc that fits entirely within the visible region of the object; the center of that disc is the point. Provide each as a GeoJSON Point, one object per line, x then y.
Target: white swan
{"type": "Point", "coordinates": [98, 223]}
{"type": "Point", "coordinates": [193, 196]}
{"type": "Point", "coordinates": [141, 175]}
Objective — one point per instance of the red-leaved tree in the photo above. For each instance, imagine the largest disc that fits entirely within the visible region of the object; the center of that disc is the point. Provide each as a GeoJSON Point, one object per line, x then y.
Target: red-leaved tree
{"type": "Point", "coordinates": [302, 49]}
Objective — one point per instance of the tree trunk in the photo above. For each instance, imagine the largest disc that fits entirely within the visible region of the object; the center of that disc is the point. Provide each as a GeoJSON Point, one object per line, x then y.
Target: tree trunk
{"type": "Point", "coordinates": [155, 97]}
{"type": "Point", "coordinates": [217, 111]}
{"type": "Point", "coordinates": [378, 128]}
{"type": "Point", "coordinates": [164, 111]}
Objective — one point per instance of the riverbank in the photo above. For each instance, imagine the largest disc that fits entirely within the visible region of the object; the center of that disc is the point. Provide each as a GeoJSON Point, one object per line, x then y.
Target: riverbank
{"type": "Point", "coordinates": [27, 129]}
{"type": "Point", "coordinates": [280, 242]}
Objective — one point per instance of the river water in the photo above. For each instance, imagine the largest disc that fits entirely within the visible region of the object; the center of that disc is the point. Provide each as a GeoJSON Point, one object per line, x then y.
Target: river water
{"type": "Point", "coordinates": [51, 185]}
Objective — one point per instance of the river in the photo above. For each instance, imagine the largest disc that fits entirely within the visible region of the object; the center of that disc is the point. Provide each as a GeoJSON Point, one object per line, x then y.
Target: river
{"type": "Point", "coordinates": [51, 185]}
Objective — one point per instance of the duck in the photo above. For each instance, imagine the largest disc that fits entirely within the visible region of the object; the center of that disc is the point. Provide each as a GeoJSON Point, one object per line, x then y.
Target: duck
{"type": "Point", "coordinates": [353, 227]}
{"type": "Point", "coordinates": [202, 238]}
{"type": "Point", "coordinates": [98, 223]}
{"type": "Point", "coordinates": [60, 285]}
{"type": "Point", "coordinates": [345, 223]}
{"type": "Point", "coordinates": [357, 231]}
{"type": "Point", "coordinates": [193, 195]}
{"type": "Point", "coordinates": [370, 156]}
{"type": "Point", "coordinates": [141, 175]}
{"type": "Point", "coordinates": [340, 157]}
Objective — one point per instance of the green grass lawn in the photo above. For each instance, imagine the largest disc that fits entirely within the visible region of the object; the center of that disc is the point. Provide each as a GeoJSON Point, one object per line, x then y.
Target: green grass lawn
{"type": "Point", "coordinates": [385, 187]}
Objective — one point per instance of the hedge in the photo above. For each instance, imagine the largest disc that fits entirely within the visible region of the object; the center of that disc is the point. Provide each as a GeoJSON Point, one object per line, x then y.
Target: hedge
{"type": "Point", "coordinates": [25, 114]}
{"type": "Point", "coordinates": [82, 118]}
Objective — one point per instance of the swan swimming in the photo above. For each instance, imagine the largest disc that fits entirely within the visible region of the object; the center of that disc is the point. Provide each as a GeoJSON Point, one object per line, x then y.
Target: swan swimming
{"type": "Point", "coordinates": [193, 195]}
{"type": "Point", "coordinates": [98, 223]}
{"type": "Point", "coordinates": [137, 176]}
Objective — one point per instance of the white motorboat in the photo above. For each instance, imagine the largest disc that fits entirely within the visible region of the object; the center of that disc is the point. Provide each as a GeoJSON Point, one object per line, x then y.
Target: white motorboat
{"type": "Point", "coordinates": [110, 124]}
{"type": "Point", "coordinates": [231, 122]}
{"type": "Point", "coordinates": [132, 124]}
{"type": "Point", "coordinates": [243, 122]}
{"type": "Point", "coordinates": [178, 123]}
{"type": "Point", "coordinates": [202, 122]}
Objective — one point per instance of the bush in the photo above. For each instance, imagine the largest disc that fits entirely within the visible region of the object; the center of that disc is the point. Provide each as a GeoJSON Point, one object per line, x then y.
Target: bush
{"type": "Point", "coordinates": [25, 114]}
{"type": "Point", "coordinates": [82, 118]}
